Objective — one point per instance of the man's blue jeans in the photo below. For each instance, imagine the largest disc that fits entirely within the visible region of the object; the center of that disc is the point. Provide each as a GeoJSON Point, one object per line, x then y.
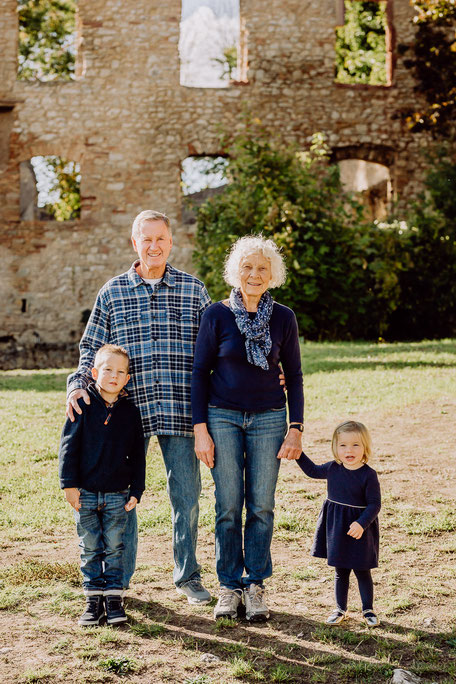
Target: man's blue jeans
{"type": "Point", "coordinates": [245, 471]}
{"type": "Point", "coordinates": [184, 487]}
{"type": "Point", "coordinates": [100, 524]}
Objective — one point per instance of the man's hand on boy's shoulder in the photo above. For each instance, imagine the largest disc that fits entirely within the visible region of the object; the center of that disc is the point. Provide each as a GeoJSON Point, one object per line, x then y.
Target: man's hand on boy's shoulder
{"type": "Point", "coordinates": [72, 402]}
{"type": "Point", "coordinates": [72, 495]}
{"type": "Point", "coordinates": [131, 503]}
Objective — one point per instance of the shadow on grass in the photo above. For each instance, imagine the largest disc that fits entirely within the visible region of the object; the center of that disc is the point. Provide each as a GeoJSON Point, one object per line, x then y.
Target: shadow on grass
{"type": "Point", "coordinates": [342, 654]}
{"type": "Point", "coordinates": [339, 356]}
{"type": "Point", "coordinates": [34, 380]}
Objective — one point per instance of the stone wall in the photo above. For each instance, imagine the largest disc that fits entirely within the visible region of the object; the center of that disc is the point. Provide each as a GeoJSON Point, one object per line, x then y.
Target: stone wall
{"type": "Point", "coordinates": [129, 124]}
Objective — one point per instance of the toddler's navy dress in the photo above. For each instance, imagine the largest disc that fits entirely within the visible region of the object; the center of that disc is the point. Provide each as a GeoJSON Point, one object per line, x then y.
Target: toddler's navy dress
{"type": "Point", "coordinates": [353, 495]}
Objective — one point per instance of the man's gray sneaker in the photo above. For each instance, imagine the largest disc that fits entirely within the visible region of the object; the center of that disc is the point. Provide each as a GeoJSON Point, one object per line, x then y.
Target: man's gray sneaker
{"type": "Point", "coordinates": [256, 609]}
{"type": "Point", "coordinates": [196, 594]}
{"type": "Point", "coordinates": [228, 603]}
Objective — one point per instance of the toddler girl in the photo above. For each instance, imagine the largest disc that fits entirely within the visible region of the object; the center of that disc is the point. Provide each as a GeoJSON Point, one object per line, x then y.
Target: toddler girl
{"type": "Point", "coordinates": [347, 531]}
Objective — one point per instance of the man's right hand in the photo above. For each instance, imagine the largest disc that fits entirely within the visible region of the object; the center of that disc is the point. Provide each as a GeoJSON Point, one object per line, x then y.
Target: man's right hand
{"type": "Point", "coordinates": [72, 402]}
{"type": "Point", "coordinates": [72, 495]}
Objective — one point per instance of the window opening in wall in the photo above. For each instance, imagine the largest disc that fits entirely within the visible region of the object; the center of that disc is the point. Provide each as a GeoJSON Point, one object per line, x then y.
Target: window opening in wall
{"type": "Point", "coordinates": [361, 44]}
{"type": "Point", "coordinates": [47, 39]}
{"type": "Point", "coordinates": [24, 306]}
{"type": "Point", "coordinates": [201, 178]}
{"type": "Point", "coordinates": [209, 44]}
{"type": "Point", "coordinates": [202, 173]}
{"type": "Point", "coordinates": [50, 189]}
{"type": "Point", "coordinates": [372, 184]}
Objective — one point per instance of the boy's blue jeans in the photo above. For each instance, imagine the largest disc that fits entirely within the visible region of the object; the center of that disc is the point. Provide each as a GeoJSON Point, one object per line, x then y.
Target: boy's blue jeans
{"type": "Point", "coordinates": [100, 524]}
{"type": "Point", "coordinates": [245, 473]}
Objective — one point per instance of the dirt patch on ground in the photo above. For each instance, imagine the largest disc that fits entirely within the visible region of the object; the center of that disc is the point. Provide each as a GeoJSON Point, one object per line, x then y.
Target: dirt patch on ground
{"type": "Point", "coordinates": [415, 587]}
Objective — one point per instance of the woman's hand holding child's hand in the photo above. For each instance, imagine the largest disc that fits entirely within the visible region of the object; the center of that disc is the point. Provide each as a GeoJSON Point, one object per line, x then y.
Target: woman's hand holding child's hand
{"type": "Point", "coordinates": [131, 503]}
{"type": "Point", "coordinates": [72, 495]}
{"type": "Point", "coordinates": [291, 448]}
{"type": "Point", "coordinates": [355, 530]}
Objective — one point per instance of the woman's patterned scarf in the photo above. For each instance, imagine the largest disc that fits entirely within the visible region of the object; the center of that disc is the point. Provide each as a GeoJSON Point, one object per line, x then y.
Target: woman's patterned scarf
{"type": "Point", "coordinates": [256, 331]}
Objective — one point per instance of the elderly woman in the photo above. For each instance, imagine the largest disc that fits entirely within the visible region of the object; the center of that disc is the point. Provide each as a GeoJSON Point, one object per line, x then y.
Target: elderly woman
{"type": "Point", "coordinates": [240, 420]}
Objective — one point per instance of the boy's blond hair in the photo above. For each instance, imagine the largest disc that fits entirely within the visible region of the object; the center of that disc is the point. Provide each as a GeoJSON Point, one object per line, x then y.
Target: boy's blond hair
{"type": "Point", "coordinates": [353, 426]}
{"type": "Point", "coordinates": [111, 349]}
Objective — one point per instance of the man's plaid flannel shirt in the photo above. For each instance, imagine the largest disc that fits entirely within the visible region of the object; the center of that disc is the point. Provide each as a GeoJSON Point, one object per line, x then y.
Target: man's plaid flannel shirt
{"type": "Point", "coordinates": [158, 327]}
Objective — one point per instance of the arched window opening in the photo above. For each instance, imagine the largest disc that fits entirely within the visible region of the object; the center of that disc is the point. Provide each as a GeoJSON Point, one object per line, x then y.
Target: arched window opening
{"type": "Point", "coordinates": [50, 189]}
{"type": "Point", "coordinates": [363, 44]}
{"type": "Point", "coordinates": [371, 182]}
{"type": "Point", "coordinates": [212, 54]}
{"type": "Point", "coordinates": [47, 39]}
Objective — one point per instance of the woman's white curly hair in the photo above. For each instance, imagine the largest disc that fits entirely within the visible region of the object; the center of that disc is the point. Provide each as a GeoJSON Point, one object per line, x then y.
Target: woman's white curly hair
{"type": "Point", "coordinates": [247, 246]}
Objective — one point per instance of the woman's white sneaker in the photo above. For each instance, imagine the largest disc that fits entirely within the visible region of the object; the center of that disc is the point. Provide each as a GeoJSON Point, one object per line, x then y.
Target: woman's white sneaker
{"type": "Point", "coordinates": [256, 609]}
{"type": "Point", "coordinates": [228, 603]}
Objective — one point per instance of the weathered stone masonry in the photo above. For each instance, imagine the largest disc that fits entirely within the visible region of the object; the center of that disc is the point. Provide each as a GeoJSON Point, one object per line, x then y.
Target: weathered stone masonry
{"type": "Point", "coordinates": [129, 123]}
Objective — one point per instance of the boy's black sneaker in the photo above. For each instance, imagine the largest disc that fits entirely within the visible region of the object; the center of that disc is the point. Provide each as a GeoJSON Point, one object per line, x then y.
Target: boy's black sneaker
{"type": "Point", "coordinates": [94, 611]}
{"type": "Point", "coordinates": [115, 612]}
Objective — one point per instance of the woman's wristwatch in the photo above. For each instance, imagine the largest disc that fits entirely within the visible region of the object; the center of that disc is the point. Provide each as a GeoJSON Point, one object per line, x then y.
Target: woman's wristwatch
{"type": "Point", "coordinates": [297, 426]}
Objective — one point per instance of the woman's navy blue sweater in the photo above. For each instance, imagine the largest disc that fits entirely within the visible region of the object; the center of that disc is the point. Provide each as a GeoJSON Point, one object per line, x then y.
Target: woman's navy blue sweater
{"type": "Point", "coordinates": [223, 377]}
{"type": "Point", "coordinates": [103, 450]}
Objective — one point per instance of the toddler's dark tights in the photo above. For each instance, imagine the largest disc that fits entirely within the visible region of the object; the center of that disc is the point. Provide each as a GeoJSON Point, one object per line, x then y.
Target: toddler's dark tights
{"type": "Point", "coordinates": [365, 584]}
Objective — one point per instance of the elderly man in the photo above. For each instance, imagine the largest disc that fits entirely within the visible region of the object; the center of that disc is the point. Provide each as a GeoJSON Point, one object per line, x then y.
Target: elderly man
{"type": "Point", "coordinates": [154, 311]}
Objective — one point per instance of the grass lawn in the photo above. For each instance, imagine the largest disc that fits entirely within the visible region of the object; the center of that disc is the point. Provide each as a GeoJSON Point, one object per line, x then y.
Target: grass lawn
{"type": "Point", "coordinates": [406, 395]}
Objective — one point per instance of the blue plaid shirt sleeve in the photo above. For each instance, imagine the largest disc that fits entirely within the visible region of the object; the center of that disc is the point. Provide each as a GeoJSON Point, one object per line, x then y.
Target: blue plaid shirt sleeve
{"type": "Point", "coordinates": [96, 334]}
{"type": "Point", "coordinates": [158, 328]}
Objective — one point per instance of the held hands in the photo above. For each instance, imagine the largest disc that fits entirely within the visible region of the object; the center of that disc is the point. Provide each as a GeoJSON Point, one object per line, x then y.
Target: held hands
{"type": "Point", "coordinates": [355, 530]}
{"type": "Point", "coordinates": [204, 446]}
{"type": "Point", "coordinates": [291, 448]}
{"type": "Point", "coordinates": [131, 503]}
{"type": "Point", "coordinates": [72, 402]}
{"type": "Point", "coordinates": [72, 495]}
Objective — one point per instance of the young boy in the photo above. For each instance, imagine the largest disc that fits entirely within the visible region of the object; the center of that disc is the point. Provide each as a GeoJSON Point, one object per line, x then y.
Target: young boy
{"type": "Point", "coordinates": [102, 471]}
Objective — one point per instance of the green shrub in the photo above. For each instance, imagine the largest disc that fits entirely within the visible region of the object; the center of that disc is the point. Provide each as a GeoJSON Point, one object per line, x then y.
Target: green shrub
{"type": "Point", "coordinates": [342, 273]}
{"type": "Point", "coordinates": [347, 278]}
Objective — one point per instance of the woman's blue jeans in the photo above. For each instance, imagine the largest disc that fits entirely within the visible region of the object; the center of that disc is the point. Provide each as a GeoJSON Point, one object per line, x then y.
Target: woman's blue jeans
{"type": "Point", "coordinates": [100, 524]}
{"type": "Point", "coordinates": [245, 472]}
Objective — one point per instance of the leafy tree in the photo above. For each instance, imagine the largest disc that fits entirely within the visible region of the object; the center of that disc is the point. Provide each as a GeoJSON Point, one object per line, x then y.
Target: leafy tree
{"type": "Point", "coordinates": [46, 39]}
{"type": "Point", "coordinates": [428, 285]}
{"type": "Point", "coordinates": [341, 280]}
{"type": "Point", "coordinates": [360, 44]}
{"type": "Point", "coordinates": [433, 65]}
{"type": "Point", "coordinates": [67, 182]}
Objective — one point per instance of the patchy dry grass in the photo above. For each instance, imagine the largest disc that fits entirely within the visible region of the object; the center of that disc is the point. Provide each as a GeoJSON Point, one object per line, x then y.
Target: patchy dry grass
{"type": "Point", "coordinates": [405, 393]}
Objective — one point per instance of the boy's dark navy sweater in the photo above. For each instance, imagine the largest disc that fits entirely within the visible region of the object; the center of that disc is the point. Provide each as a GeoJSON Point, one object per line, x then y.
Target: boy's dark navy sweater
{"type": "Point", "coordinates": [103, 450]}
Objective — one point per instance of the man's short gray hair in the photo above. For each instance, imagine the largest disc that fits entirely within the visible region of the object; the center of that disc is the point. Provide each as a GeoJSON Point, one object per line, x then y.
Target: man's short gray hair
{"type": "Point", "coordinates": [148, 215]}
{"type": "Point", "coordinates": [247, 246]}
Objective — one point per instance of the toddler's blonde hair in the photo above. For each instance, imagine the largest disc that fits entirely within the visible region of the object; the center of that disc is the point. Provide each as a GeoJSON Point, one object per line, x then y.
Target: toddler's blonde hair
{"type": "Point", "coordinates": [353, 426]}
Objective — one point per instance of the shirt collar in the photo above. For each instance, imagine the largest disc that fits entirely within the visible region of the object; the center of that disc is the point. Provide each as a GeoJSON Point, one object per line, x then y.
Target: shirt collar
{"type": "Point", "coordinates": [169, 277]}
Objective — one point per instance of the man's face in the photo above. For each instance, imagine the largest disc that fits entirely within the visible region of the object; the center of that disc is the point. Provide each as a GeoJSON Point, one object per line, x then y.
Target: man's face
{"type": "Point", "coordinates": [152, 244]}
